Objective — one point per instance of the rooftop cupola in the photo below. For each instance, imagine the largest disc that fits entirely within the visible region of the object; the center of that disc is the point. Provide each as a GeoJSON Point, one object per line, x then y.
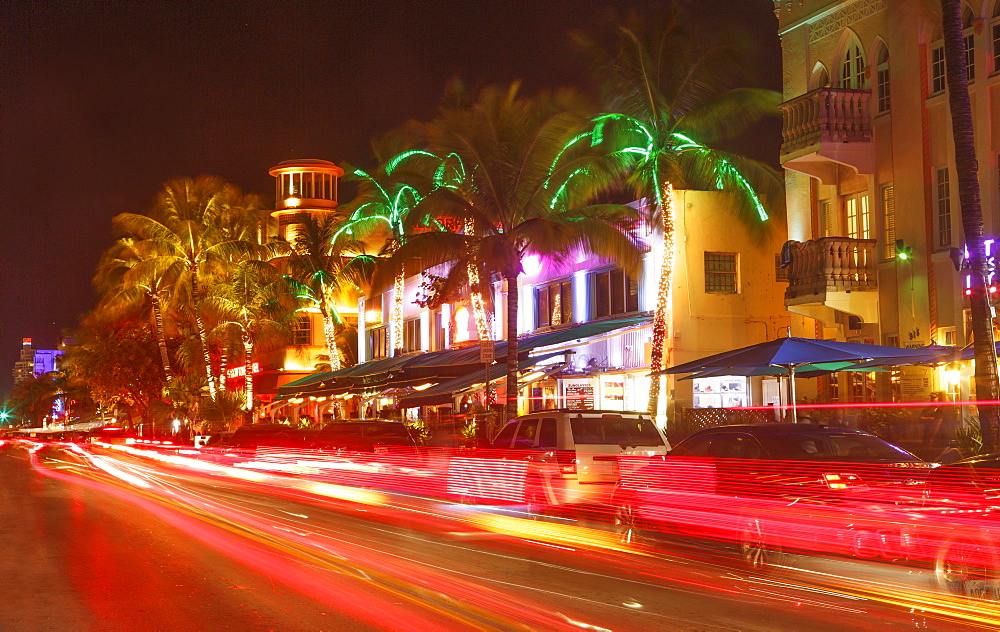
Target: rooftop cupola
{"type": "Point", "coordinates": [305, 185]}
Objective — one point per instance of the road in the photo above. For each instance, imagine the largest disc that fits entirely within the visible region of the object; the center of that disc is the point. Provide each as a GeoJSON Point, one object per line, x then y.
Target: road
{"type": "Point", "coordinates": [104, 540]}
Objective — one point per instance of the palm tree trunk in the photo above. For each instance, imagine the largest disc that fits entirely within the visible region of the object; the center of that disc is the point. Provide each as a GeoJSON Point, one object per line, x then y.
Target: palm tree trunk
{"type": "Point", "coordinates": [223, 365]}
{"type": "Point", "coordinates": [478, 305]}
{"type": "Point", "coordinates": [330, 336]}
{"type": "Point", "coordinates": [248, 375]}
{"type": "Point", "coordinates": [512, 309]}
{"type": "Point", "coordinates": [398, 287]}
{"type": "Point", "coordinates": [967, 168]}
{"type": "Point", "coordinates": [662, 296]}
{"type": "Point", "coordinates": [206, 356]}
{"type": "Point", "coordinates": [160, 341]}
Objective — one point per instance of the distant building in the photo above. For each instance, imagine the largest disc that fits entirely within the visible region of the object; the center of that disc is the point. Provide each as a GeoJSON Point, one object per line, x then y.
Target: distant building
{"type": "Point", "coordinates": [34, 362]}
{"type": "Point", "coordinates": [24, 368]}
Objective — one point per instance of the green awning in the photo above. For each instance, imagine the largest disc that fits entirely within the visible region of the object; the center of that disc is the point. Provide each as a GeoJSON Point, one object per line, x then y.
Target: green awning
{"type": "Point", "coordinates": [443, 392]}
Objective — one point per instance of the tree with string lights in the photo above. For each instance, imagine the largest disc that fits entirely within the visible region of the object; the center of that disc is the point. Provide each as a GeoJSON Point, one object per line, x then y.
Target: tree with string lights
{"type": "Point", "coordinates": [519, 194]}
{"type": "Point", "coordinates": [671, 103]}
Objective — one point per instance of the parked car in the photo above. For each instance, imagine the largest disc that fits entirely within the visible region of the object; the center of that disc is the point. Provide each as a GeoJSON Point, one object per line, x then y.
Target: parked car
{"type": "Point", "coordinates": [251, 436]}
{"type": "Point", "coordinates": [958, 530]}
{"type": "Point", "coordinates": [365, 435]}
{"type": "Point", "coordinates": [569, 457]}
{"type": "Point", "coordinates": [772, 488]}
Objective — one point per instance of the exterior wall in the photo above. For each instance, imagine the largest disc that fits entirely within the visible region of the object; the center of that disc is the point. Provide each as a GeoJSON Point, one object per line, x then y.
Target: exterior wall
{"type": "Point", "coordinates": [922, 298]}
{"type": "Point", "coordinates": [705, 323]}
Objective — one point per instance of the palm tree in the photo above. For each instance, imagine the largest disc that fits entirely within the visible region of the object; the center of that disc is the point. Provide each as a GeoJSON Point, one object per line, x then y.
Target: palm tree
{"type": "Point", "coordinates": [325, 270]}
{"type": "Point", "coordinates": [196, 228]}
{"type": "Point", "coordinates": [513, 201]}
{"type": "Point", "coordinates": [670, 102]}
{"type": "Point", "coordinates": [967, 168]}
{"type": "Point", "coordinates": [130, 280]}
{"type": "Point", "coordinates": [385, 200]}
{"type": "Point", "coordinates": [253, 302]}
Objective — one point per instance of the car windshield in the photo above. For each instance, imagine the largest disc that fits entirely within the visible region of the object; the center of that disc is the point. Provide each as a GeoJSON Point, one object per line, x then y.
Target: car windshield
{"type": "Point", "coordinates": [614, 430]}
{"type": "Point", "coordinates": [832, 446]}
{"type": "Point", "coordinates": [389, 433]}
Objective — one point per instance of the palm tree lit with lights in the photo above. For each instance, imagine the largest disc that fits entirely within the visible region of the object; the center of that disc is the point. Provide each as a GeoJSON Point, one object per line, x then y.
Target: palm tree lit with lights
{"type": "Point", "coordinates": [325, 267]}
{"type": "Point", "coordinates": [670, 101]}
{"type": "Point", "coordinates": [520, 195]}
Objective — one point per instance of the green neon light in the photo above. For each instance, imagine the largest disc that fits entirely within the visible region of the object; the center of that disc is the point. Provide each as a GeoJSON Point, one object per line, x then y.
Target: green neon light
{"type": "Point", "coordinates": [399, 158]}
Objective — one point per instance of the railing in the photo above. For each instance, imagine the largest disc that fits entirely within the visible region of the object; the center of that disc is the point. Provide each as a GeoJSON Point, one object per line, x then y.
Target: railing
{"type": "Point", "coordinates": [831, 264]}
{"type": "Point", "coordinates": [837, 115]}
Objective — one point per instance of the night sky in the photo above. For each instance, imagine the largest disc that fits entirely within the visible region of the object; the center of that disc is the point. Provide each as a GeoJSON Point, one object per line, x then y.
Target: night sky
{"type": "Point", "coordinates": [102, 102]}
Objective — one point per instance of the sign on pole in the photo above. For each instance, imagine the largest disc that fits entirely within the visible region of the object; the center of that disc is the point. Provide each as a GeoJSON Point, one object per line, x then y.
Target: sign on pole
{"type": "Point", "coordinates": [486, 351]}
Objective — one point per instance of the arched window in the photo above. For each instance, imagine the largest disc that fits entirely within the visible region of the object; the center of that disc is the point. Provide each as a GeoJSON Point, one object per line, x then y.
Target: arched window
{"type": "Point", "coordinates": [968, 20]}
{"type": "Point", "coordinates": [820, 77]}
{"type": "Point", "coordinates": [852, 66]}
{"type": "Point", "coordinates": [882, 100]}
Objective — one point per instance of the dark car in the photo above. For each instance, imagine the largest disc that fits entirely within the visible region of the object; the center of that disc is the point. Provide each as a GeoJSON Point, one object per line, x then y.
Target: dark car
{"type": "Point", "coordinates": [365, 435]}
{"type": "Point", "coordinates": [958, 531]}
{"type": "Point", "coordinates": [251, 436]}
{"type": "Point", "coordinates": [772, 487]}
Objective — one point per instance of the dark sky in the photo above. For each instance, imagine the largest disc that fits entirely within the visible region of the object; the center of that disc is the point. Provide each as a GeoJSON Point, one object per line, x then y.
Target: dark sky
{"type": "Point", "coordinates": [104, 101]}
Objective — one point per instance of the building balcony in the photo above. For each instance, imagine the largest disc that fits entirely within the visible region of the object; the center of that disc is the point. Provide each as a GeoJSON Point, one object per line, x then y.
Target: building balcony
{"type": "Point", "coordinates": [824, 128]}
{"type": "Point", "coordinates": [833, 273]}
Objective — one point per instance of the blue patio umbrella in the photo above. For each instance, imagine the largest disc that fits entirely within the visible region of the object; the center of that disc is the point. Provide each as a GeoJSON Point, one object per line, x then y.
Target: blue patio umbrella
{"type": "Point", "coordinates": [792, 353]}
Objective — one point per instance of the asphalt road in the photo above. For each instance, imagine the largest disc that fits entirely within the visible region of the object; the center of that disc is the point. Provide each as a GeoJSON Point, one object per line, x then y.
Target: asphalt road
{"type": "Point", "coordinates": [114, 542]}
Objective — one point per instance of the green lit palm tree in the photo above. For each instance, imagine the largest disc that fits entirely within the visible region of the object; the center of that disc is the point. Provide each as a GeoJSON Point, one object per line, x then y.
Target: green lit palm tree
{"type": "Point", "coordinates": [196, 228]}
{"type": "Point", "coordinates": [252, 303]}
{"type": "Point", "coordinates": [512, 202]}
{"type": "Point", "coordinates": [327, 267]}
{"type": "Point", "coordinates": [670, 103]}
{"type": "Point", "coordinates": [384, 203]}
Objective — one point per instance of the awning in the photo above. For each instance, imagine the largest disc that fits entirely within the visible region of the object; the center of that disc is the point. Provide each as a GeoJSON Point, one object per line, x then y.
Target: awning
{"type": "Point", "coordinates": [443, 392]}
{"type": "Point", "coordinates": [584, 330]}
{"type": "Point", "coordinates": [441, 365]}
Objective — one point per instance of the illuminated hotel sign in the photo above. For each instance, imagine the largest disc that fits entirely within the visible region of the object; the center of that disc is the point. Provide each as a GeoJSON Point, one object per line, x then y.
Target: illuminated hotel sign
{"type": "Point", "coordinates": [240, 371]}
{"type": "Point", "coordinates": [991, 268]}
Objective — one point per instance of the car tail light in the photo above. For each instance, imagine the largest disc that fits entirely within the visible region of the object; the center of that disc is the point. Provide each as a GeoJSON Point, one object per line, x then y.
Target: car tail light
{"type": "Point", "coordinates": [566, 462]}
{"type": "Point", "coordinates": [841, 480]}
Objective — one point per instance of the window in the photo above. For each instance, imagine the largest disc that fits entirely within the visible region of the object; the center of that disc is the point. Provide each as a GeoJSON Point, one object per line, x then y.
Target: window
{"type": "Point", "coordinates": [888, 222]}
{"type": "Point", "coordinates": [613, 292]}
{"type": "Point", "coordinates": [437, 335]}
{"type": "Point", "coordinates": [826, 218]}
{"type": "Point", "coordinates": [937, 69]}
{"type": "Point", "coordinates": [525, 438]}
{"type": "Point", "coordinates": [943, 199]}
{"type": "Point", "coordinates": [547, 434]}
{"type": "Point", "coordinates": [882, 81]}
{"type": "Point", "coordinates": [968, 23]}
{"type": "Point", "coordinates": [301, 332]}
{"type": "Point", "coordinates": [502, 440]}
{"type": "Point", "coordinates": [970, 57]}
{"type": "Point", "coordinates": [554, 304]}
{"type": "Point", "coordinates": [780, 274]}
{"type": "Point", "coordinates": [852, 68]}
{"type": "Point", "coordinates": [996, 38]}
{"type": "Point", "coordinates": [378, 342]}
{"type": "Point", "coordinates": [858, 216]}
{"type": "Point", "coordinates": [411, 335]}
{"type": "Point", "coordinates": [720, 273]}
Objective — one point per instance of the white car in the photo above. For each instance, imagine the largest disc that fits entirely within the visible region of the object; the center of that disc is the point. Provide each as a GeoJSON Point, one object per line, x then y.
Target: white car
{"type": "Point", "coordinates": [572, 456]}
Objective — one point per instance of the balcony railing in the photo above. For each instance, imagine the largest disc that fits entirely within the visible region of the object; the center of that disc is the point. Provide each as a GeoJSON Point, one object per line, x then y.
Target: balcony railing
{"type": "Point", "coordinates": [831, 264]}
{"type": "Point", "coordinates": [826, 115]}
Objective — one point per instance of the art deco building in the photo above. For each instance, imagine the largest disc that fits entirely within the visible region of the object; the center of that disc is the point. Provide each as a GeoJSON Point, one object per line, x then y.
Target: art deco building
{"type": "Point", "coordinates": [870, 176]}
